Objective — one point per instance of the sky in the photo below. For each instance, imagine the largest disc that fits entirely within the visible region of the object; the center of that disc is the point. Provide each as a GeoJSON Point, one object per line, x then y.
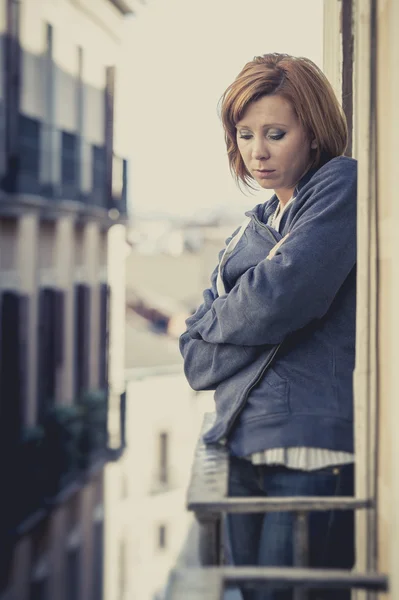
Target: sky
{"type": "Point", "coordinates": [180, 56]}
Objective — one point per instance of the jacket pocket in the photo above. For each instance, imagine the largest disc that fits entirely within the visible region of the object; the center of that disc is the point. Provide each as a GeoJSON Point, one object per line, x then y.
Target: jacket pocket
{"type": "Point", "coordinates": [268, 398]}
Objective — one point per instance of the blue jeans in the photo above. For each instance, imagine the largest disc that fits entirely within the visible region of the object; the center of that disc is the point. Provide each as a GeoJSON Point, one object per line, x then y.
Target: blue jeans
{"type": "Point", "coordinates": [267, 539]}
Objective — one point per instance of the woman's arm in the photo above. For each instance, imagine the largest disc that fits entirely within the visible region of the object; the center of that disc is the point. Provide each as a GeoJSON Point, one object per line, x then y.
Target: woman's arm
{"type": "Point", "coordinates": [206, 365]}
{"type": "Point", "coordinates": [298, 283]}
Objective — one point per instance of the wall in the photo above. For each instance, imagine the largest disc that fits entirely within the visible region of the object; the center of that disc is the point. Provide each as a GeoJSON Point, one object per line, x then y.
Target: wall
{"type": "Point", "coordinates": [157, 403]}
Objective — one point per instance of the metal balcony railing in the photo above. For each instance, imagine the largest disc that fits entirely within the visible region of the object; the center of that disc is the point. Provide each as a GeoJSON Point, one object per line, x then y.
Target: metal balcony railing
{"type": "Point", "coordinates": [60, 165]}
{"type": "Point", "coordinates": [208, 499]}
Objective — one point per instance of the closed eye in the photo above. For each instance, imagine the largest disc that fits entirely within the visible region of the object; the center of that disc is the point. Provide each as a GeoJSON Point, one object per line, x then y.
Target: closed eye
{"type": "Point", "coordinates": [276, 136]}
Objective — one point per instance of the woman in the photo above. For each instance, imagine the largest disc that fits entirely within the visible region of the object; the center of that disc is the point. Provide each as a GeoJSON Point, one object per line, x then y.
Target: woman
{"type": "Point", "coordinates": [275, 335]}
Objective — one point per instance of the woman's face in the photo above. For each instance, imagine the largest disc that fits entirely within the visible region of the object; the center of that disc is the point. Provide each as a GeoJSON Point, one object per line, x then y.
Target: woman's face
{"type": "Point", "coordinates": [273, 145]}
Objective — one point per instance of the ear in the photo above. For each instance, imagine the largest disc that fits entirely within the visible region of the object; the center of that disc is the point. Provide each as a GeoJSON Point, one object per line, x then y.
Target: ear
{"type": "Point", "coordinates": [313, 144]}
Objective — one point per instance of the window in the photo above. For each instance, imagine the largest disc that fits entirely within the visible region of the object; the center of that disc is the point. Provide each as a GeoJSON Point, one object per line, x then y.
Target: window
{"type": "Point", "coordinates": [162, 536]}
{"type": "Point", "coordinates": [69, 165]}
{"type": "Point", "coordinates": [49, 40]}
{"type": "Point", "coordinates": [163, 458]}
{"type": "Point", "coordinates": [29, 154]}
{"type": "Point", "coordinates": [13, 366]}
{"type": "Point", "coordinates": [82, 338]}
{"type": "Point", "coordinates": [105, 292]}
{"type": "Point", "coordinates": [119, 183]}
{"type": "Point", "coordinates": [50, 345]}
{"type": "Point", "coordinates": [73, 560]}
{"type": "Point", "coordinates": [98, 176]}
{"type": "Point", "coordinates": [98, 560]}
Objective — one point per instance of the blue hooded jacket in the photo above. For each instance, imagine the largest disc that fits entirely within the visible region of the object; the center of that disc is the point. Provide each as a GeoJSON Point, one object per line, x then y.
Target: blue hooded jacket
{"type": "Point", "coordinates": [278, 348]}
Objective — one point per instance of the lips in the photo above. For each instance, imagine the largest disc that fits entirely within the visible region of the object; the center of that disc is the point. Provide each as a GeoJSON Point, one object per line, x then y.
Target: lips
{"type": "Point", "coordinates": [264, 173]}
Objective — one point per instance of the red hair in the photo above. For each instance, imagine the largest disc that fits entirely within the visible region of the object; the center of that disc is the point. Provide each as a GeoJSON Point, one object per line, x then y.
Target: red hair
{"type": "Point", "coordinates": [308, 90]}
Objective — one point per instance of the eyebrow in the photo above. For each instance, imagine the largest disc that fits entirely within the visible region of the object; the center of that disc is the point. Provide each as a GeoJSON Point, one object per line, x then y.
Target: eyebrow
{"type": "Point", "coordinates": [264, 126]}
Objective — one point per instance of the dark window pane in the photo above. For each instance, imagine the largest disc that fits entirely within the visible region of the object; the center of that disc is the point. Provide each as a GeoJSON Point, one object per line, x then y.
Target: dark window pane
{"type": "Point", "coordinates": [99, 177]}
{"type": "Point", "coordinates": [69, 165]}
{"type": "Point", "coordinates": [104, 319]}
{"type": "Point", "coordinates": [97, 590]}
{"type": "Point", "coordinates": [50, 345]}
{"type": "Point", "coordinates": [163, 458]}
{"type": "Point", "coordinates": [29, 155]}
{"type": "Point", "coordinates": [13, 315]}
{"type": "Point", "coordinates": [82, 338]}
{"type": "Point", "coordinates": [73, 574]}
{"type": "Point", "coordinates": [162, 536]}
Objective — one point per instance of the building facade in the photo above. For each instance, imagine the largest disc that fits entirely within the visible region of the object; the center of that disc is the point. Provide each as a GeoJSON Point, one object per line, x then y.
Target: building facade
{"type": "Point", "coordinates": [63, 210]}
{"type": "Point", "coordinates": [149, 527]}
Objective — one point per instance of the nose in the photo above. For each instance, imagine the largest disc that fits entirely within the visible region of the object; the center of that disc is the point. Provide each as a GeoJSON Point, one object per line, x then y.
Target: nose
{"type": "Point", "coordinates": [260, 150]}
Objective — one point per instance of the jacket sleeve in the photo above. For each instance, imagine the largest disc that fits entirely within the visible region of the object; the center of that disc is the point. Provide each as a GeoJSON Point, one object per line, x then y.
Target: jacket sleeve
{"type": "Point", "coordinates": [298, 282]}
{"type": "Point", "coordinates": [206, 364]}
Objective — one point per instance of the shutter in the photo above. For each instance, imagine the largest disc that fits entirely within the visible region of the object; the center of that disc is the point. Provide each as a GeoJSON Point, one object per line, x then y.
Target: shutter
{"type": "Point", "coordinates": [82, 338]}
{"type": "Point", "coordinates": [50, 352]}
{"type": "Point", "coordinates": [13, 329]}
{"type": "Point", "coordinates": [23, 335]}
{"type": "Point", "coordinates": [59, 326]}
{"type": "Point", "coordinates": [98, 561]}
{"type": "Point", "coordinates": [11, 367]}
{"type": "Point", "coordinates": [42, 325]}
{"type": "Point", "coordinates": [104, 334]}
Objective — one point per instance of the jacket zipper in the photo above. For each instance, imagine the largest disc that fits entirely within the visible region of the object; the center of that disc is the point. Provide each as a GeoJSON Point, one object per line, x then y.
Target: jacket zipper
{"type": "Point", "coordinates": [252, 385]}
{"type": "Point", "coordinates": [275, 239]}
{"type": "Point", "coordinates": [269, 360]}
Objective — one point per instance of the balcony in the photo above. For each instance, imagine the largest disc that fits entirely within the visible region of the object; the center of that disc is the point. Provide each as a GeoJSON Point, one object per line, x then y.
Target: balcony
{"type": "Point", "coordinates": [208, 499]}
{"type": "Point", "coordinates": [57, 457]}
{"type": "Point", "coordinates": [61, 166]}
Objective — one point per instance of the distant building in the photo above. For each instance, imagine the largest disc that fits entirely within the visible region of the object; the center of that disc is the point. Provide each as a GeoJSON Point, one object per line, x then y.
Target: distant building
{"type": "Point", "coordinates": [147, 488]}
{"type": "Point", "coordinates": [180, 277]}
{"type": "Point", "coordinates": [63, 194]}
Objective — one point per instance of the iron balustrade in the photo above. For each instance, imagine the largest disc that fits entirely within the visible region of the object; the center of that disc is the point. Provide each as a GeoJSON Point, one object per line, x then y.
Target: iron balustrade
{"type": "Point", "coordinates": [60, 165]}
{"type": "Point", "coordinates": [208, 498]}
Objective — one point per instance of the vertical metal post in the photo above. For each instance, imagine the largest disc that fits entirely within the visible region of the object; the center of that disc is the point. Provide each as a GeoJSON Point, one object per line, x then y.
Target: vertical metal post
{"type": "Point", "coordinates": [347, 68]}
{"type": "Point", "coordinates": [367, 361]}
{"type": "Point", "coordinates": [109, 133]}
{"type": "Point", "coordinates": [209, 542]}
{"type": "Point", "coordinates": [301, 548]}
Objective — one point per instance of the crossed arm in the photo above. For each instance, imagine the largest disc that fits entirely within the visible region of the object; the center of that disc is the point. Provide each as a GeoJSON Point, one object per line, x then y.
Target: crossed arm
{"type": "Point", "coordinates": [207, 364]}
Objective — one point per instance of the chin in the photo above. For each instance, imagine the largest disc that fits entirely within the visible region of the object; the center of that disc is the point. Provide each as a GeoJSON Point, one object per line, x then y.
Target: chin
{"type": "Point", "coordinates": [266, 185]}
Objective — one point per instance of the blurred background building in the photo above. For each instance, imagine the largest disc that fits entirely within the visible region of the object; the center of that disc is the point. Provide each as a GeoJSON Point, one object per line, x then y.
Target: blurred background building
{"type": "Point", "coordinates": [63, 190]}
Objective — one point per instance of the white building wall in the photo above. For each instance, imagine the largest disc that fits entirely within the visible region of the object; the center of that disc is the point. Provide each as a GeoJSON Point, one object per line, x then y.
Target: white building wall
{"type": "Point", "coordinates": [156, 404]}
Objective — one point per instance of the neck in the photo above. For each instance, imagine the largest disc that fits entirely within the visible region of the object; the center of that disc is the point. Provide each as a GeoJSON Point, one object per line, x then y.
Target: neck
{"type": "Point", "coordinates": [284, 196]}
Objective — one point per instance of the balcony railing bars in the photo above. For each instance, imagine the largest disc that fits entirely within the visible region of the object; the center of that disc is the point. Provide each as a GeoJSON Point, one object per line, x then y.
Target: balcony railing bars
{"type": "Point", "coordinates": [60, 165]}
{"type": "Point", "coordinates": [208, 498]}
